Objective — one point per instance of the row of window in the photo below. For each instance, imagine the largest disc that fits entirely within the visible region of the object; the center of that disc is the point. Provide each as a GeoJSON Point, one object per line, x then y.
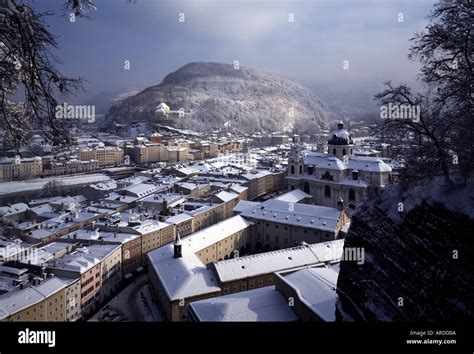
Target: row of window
{"type": "Point", "coordinates": [327, 193]}
{"type": "Point", "coordinates": [243, 285]}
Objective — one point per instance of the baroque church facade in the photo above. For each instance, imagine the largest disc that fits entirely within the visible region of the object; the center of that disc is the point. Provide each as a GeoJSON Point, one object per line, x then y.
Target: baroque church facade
{"type": "Point", "coordinates": [338, 178]}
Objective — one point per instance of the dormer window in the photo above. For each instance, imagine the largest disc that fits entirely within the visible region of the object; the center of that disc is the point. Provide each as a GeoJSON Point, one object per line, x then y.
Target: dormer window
{"type": "Point", "coordinates": [355, 175]}
{"type": "Point", "coordinates": [327, 176]}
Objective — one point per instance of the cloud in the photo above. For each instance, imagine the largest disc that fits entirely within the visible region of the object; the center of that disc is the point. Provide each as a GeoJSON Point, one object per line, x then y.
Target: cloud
{"type": "Point", "coordinates": [257, 33]}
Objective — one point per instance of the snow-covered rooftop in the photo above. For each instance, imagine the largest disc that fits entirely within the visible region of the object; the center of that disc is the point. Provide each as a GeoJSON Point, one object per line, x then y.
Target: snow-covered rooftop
{"type": "Point", "coordinates": [37, 184]}
{"type": "Point", "coordinates": [19, 299]}
{"type": "Point", "coordinates": [182, 277]}
{"type": "Point", "coordinates": [245, 205]}
{"type": "Point", "coordinates": [187, 276]}
{"type": "Point", "coordinates": [316, 288]}
{"type": "Point", "coordinates": [269, 262]}
{"type": "Point", "coordinates": [226, 196]}
{"type": "Point", "coordinates": [148, 226]}
{"type": "Point", "coordinates": [178, 218]}
{"type": "Point", "coordinates": [87, 234]}
{"type": "Point", "coordinates": [141, 190]}
{"type": "Point", "coordinates": [293, 196]}
{"type": "Point", "coordinates": [303, 215]}
{"type": "Point", "coordinates": [369, 164]}
{"type": "Point", "coordinates": [60, 222]}
{"type": "Point", "coordinates": [238, 188]}
{"type": "Point", "coordinates": [82, 259]}
{"type": "Point", "coordinates": [262, 305]}
{"type": "Point", "coordinates": [13, 209]}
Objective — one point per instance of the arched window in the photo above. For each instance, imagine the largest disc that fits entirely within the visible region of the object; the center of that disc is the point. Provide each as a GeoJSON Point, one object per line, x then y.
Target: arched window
{"type": "Point", "coordinates": [327, 191]}
{"type": "Point", "coordinates": [306, 187]}
{"type": "Point", "coordinates": [292, 169]}
{"type": "Point", "coordinates": [352, 194]}
{"type": "Point", "coordinates": [334, 151]}
{"type": "Point", "coordinates": [351, 151]}
{"type": "Point", "coordinates": [343, 152]}
{"type": "Point", "coordinates": [301, 169]}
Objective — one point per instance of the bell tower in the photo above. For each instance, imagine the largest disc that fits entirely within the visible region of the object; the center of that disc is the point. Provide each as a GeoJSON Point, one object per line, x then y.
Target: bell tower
{"type": "Point", "coordinates": [296, 158]}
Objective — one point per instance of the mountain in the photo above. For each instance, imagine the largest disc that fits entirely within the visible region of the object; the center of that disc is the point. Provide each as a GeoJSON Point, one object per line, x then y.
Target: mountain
{"type": "Point", "coordinates": [418, 262]}
{"type": "Point", "coordinates": [212, 94]}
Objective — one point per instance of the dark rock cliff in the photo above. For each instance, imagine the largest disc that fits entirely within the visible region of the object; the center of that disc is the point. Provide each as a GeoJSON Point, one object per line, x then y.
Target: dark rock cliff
{"type": "Point", "coordinates": [421, 258]}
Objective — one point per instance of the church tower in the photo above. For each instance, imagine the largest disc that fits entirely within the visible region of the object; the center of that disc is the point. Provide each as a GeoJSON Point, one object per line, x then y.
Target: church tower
{"type": "Point", "coordinates": [296, 158]}
{"type": "Point", "coordinates": [340, 143]}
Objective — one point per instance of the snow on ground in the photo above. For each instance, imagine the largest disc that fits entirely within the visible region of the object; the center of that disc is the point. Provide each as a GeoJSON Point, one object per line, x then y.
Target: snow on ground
{"type": "Point", "coordinates": [117, 309]}
{"type": "Point", "coordinates": [147, 306]}
{"type": "Point", "coordinates": [134, 303]}
{"type": "Point", "coordinates": [458, 199]}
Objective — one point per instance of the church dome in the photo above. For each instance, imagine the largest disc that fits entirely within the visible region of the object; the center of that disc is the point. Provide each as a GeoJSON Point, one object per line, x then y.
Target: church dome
{"type": "Point", "coordinates": [340, 136]}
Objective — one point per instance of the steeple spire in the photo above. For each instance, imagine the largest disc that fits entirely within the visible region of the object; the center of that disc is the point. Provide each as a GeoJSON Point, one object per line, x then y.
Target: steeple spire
{"type": "Point", "coordinates": [177, 246]}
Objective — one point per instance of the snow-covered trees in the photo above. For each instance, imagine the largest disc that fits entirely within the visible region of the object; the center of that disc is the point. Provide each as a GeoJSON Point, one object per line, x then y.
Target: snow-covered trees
{"type": "Point", "coordinates": [30, 81]}
{"type": "Point", "coordinates": [441, 141]}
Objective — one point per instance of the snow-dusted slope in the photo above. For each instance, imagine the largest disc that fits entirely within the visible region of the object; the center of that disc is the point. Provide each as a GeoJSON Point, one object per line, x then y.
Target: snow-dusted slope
{"type": "Point", "coordinates": [418, 263]}
{"type": "Point", "coordinates": [214, 93]}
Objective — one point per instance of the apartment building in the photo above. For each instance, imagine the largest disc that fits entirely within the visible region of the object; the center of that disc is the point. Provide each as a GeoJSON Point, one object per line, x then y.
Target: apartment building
{"type": "Point", "coordinates": [43, 298]}
{"type": "Point", "coordinates": [98, 268]}
{"type": "Point", "coordinates": [149, 153]}
{"type": "Point", "coordinates": [18, 169]}
{"type": "Point", "coordinates": [263, 182]}
{"type": "Point", "coordinates": [177, 154]}
{"type": "Point", "coordinates": [72, 166]}
{"type": "Point", "coordinates": [280, 224]}
{"type": "Point", "coordinates": [183, 223]}
{"type": "Point", "coordinates": [51, 229]}
{"type": "Point", "coordinates": [106, 156]}
{"type": "Point", "coordinates": [184, 262]}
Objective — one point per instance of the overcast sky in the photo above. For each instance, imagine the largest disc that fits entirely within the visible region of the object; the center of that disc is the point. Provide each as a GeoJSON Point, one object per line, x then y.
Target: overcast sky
{"type": "Point", "coordinates": [258, 34]}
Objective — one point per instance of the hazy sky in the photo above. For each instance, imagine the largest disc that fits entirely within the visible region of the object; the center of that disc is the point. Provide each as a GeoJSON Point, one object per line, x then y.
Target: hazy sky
{"type": "Point", "coordinates": [258, 34]}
